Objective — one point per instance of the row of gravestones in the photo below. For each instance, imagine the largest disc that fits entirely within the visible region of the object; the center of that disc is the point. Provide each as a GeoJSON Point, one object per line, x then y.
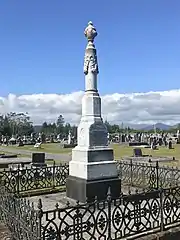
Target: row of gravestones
{"type": "Point", "coordinates": [161, 139]}
{"type": "Point", "coordinates": [41, 138]}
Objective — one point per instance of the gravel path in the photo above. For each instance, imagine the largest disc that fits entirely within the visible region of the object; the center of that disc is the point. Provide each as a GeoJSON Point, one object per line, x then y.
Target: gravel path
{"type": "Point", "coordinates": [56, 156]}
{"type": "Point", "coordinates": [5, 233]}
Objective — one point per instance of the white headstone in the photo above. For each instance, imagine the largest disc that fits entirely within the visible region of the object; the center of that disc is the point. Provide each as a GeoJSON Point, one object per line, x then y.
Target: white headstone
{"type": "Point", "coordinates": [69, 138]}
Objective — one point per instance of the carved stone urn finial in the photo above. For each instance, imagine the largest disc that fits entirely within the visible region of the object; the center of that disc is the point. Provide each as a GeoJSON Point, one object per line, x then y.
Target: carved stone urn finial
{"type": "Point", "coordinates": [90, 32]}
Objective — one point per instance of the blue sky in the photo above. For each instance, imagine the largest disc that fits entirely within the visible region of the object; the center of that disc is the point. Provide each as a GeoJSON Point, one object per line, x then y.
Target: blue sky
{"type": "Point", "coordinates": [42, 45]}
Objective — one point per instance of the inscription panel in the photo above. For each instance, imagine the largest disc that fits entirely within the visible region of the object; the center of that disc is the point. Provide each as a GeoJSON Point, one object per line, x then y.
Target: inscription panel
{"type": "Point", "coordinates": [98, 135]}
{"type": "Point", "coordinates": [97, 106]}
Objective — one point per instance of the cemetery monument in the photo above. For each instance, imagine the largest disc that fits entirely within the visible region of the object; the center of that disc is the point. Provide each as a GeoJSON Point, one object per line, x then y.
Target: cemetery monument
{"type": "Point", "coordinates": [69, 138]}
{"type": "Point", "coordinates": [92, 170]}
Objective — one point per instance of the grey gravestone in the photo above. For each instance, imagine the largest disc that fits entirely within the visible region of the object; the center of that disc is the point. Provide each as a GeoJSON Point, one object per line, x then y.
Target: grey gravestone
{"type": "Point", "coordinates": [20, 143]}
{"type": "Point", "coordinates": [43, 137]}
{"type": "Point", "coordinates": [52, 138]}
{"type": "Point", "coordinates": [170, 145]}
{"type": "Point", "coordinates": [137, 152]}
{"type": "Point", "coordinates": [123, 138]}
{"type": "Point", "coordinates": [38, 159]}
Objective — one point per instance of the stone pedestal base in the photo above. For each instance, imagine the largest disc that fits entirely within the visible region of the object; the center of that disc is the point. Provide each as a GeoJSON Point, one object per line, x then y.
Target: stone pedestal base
{"type": "Point", "coordinates": [84, 190]}
{"type": "Point", "coordinates": [93, 164]}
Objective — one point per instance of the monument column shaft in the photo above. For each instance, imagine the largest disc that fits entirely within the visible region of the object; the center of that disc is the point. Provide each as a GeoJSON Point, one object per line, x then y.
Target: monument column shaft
{"type": "Point", "coordinates": [91, 104]}
{"type": "Point", "coordinates": [92, 169]}
{"type": "Point", "coordinates": [91, 82]}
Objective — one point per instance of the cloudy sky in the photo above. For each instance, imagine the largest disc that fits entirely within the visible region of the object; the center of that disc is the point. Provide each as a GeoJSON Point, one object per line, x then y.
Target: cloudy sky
{"type": "Point", "coordinates": [42, 51]}
{"type": "Point", "coordinates": [117, 108]}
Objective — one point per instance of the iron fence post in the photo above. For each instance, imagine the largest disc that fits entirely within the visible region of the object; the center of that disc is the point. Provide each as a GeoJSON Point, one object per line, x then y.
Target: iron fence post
{"type": "Point", "coordinates": [143, 176]}
{"type": "Point", "coordinates": [119, 168]}
{"type": "Point", "coordinates": [53, 175]}
{"type": "Point", "coordinates": [18, 180]}
{"type": "Point", "coordinates": [40, 215]}
{"type": "Point", "coordinates": [157, 174]}
{"type": "Point", "coordinates": [131, 172]}
{"type": "Point", "coordinates": [161, 211]}
{"type": "Point", "coordinates": [109, 201]}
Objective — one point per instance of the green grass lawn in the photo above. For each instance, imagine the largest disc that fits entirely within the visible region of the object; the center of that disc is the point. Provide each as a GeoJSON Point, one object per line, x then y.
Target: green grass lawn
{"type": "Point", "coordinates": [126, 151]}
{"type": "Point", "coordinates": [119, 150]}
{"type": "Point", "coordinates": [8, 152]}
{"type": "Point", "coordinates": [48, 148]}
{"type": "Point", "coordinates": [122, 151]}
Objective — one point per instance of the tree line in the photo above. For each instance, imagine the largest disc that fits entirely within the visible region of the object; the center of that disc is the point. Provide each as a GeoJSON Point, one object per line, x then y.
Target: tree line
{"type": "Point", "coordinates": [15, 124]}
{"type": "Point", "coordinates": [20, 124]}
{"type": "Point", "coordinates": [59, 127]}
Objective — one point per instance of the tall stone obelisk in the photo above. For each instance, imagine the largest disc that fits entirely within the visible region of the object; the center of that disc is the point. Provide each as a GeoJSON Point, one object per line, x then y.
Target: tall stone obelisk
{"type": "Point", "coordinates": [92, 169]}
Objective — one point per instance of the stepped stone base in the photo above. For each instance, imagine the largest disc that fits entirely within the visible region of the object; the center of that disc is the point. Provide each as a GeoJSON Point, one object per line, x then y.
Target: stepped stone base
{"type": "Point", "coordinates": [86, 190]}
{"type": "Point", "coordinates": [93, 164]}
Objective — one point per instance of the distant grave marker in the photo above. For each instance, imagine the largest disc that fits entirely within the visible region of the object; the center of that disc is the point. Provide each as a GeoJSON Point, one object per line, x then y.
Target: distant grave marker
{"type": "Point", "coordinates": [38, 159]}
{"type": "Point", "coordinates": [137, 152]}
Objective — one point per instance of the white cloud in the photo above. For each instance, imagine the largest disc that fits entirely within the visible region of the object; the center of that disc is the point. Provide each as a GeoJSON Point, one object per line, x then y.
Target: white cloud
{"type": "Point", "coordinates": [132, 108]}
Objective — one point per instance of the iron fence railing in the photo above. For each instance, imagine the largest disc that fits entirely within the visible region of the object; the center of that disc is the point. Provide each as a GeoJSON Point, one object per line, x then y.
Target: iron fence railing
{"type": "Point", "coordinates": [148, 176]}
{"type": "Point", "coordinates": [33, 179]}
{"type": "Point", "coordinates": [19, 216]}
{"type": "Point", "coordinates": [127, 216]}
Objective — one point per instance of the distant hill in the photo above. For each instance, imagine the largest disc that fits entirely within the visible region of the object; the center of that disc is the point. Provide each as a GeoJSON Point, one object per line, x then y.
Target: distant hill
{"type": "Point", "coordinates": [137, 126]}
{"type": "Point", "coordinates": [161, 126]}
{"type": "Point", "coordinates": [145, 127]}
{"type": "Point", "coordinates": [176, 125]}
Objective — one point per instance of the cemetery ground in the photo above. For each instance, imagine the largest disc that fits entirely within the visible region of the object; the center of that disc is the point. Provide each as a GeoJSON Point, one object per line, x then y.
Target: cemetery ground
{"type": "Point", "coordinates": [120, 151]}
{"type": "Point", "coordinates": [8, 151]}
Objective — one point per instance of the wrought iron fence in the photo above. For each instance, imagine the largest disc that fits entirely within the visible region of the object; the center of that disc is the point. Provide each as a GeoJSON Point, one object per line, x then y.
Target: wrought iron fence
{"type": "Point", "coordinates": [127, 216]}
{"type": "Point", "coordinates": [32, 179]}
{"type": "Point", "coordinates": [19, 216]}
{"type": "Point", "coordinates": [150, 176]}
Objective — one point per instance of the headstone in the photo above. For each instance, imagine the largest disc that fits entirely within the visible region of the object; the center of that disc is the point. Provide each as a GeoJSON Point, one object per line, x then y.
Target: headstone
{"type": "Point", "coordinates": [153, 145]}
{"type": "Point", "coordinates": [24, 139]}
{"type": "Point", "coordinates": [52, 138]}
{"type": "Point", "coordinates": [129, 138]}
{"type": "Point", "coordinates": [20, 142]}
{"type": "Point", "coordinates": [12, 140]}
{"type": "Point", "coordinates": [178, 137]}
{"type": "Point", "coordinates": [160, 142]}
{"type": "Point", "coordinates": [5, 141]}
{"type": "Point", "coordinates": [33, 139]}
{"type": "Point", "coordinates": [38, 159]}
{"type": "Point", "coordinates": [170, 145]}
{"type": "Point", "coordinates": [43, 137]}
{"type": "Point", "coordinates": [123, 138]}
{"type": "Point", "coordinates": [58, 137]}
{"type": "Point", "coordinates": [137, 152]}
{"type": "Point", "coordinates": [92, 170]}
{"type": "Point", "coordinates": [69, 138]}
{"type": "Point", "coordinates": [37, 145]}
{"type": "Point", "coordinates": [39, 140]}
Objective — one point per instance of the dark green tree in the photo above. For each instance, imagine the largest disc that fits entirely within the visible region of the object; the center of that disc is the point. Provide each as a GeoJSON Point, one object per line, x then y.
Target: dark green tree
{"type": "Point", "coordinates": [60, 124]}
